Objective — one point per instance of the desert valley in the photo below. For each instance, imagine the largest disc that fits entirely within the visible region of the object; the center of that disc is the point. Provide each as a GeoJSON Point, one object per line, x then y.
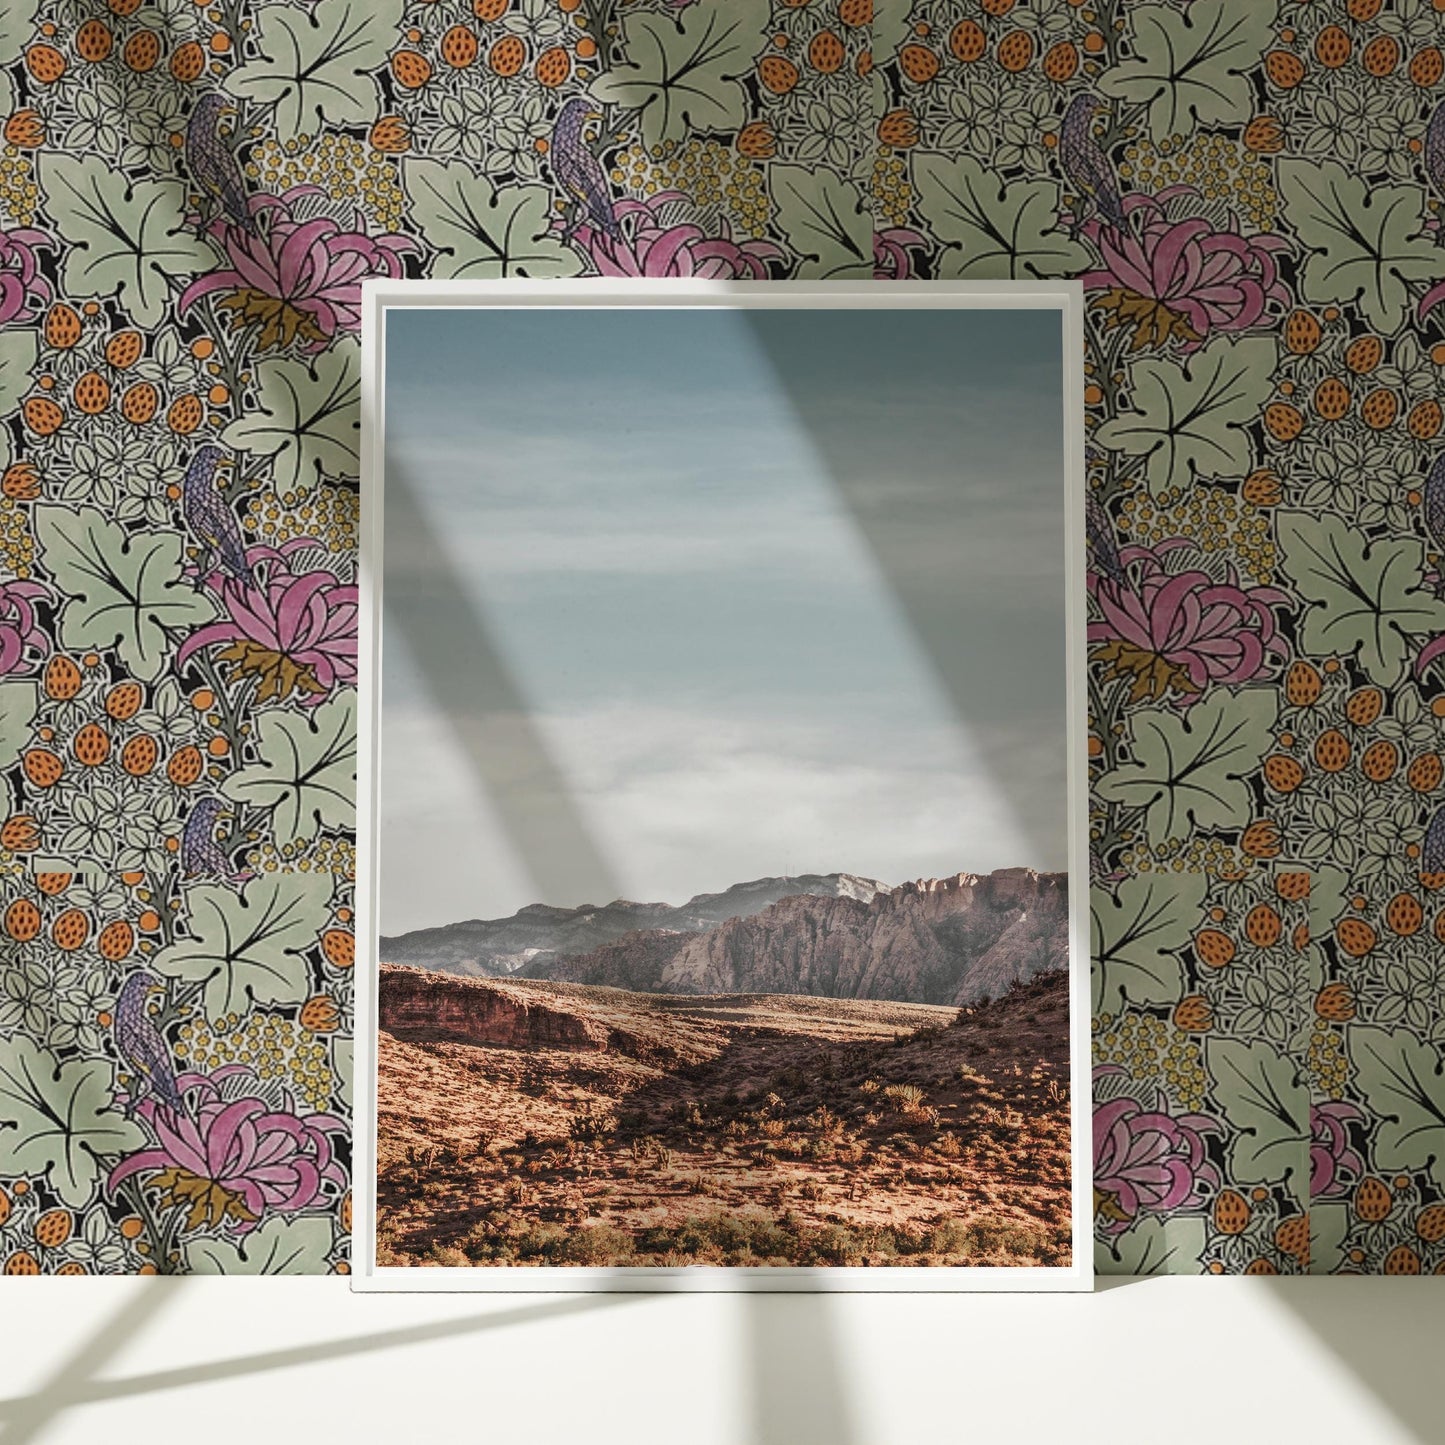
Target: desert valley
{"type": "Point", "coordinates": [804, 1071]}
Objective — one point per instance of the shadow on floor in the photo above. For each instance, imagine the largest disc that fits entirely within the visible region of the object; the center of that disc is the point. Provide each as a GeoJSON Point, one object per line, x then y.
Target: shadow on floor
{"type": "Point", "coordinates": [75, 1382]}
{"type": "Point", "coordinates": [799, 1394]}
{"type": "Point", "coordinates": [1384, 1332]}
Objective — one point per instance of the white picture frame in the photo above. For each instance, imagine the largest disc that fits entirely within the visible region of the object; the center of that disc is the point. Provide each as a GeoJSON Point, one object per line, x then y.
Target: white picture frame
{"type": "Point", "coordinates": [384, 298]}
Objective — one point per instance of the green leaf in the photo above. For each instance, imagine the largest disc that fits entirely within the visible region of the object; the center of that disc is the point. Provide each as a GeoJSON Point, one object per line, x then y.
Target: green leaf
{"type": "Point", "coordinates": [125, 236]}
{"type": "Point", "coordinates": [1188, 768]}
{"type": "Point", "coordinates": [1191, 68]}
{"type": "Point", "coordinates": [1329, 1229]}
{"type": "Point", "coordinates": [18, 350]}
{"type": "Point", "coordinates": [250, 949]}
{"type": "Point", "coordinates": [827, 223]}
{"type": "Point", "coordinates": [124, 591]}
{"type": "Point", "coordinates": [17, 17]}
{"type": "Point", "coordinates": [1190, 420]}
{"type": "Point", "coordinates": [18, 704]}
{"type": "Point", "coordinates": [1402, 1079]}
{"type": "Point", "coordinates": [307, 416]}
{"type": "Point", "coordinates": [280, 1246]}
{"type": "Point", "coordinates": [1365, 596]}
{"type": "Point", "coordinates": [1154, 1245]}
{"type": "Point", "coordinates": [1265, 1097]}
{"type": "Point", "coordinates": [315, 65]}
{"type": "Point", "coordinates": [1136, 936]}
{"type": "Point", "coordinates": [1364, 238]}
{"type": "Point", "coordinates": [480, 232]}
{"type": "Point", "coordinates": [681, 75]}
{"type": "Point", "coordinates": [343, 1058]}
{"type": "Point", "coordinates": [993, 230]}
{"type": "Point", "coordinates": [307, 769]}
{"type": "Point", "coordinates": [59, 1117]}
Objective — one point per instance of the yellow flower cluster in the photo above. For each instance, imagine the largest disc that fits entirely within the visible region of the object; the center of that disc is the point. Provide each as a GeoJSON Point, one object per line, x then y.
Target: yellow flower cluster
{"type": "Point", "coordinates": [1219, 168]}
{"type": "Point", "coordinates": [892, 190]}
{"type": "Point", "coordinates": [330, 514]}
{"type": "Point", "coordinates": [1326, 1061]}
{"type": "Point", "coordinates": [275, 1047]}
{"type": "Point", "coordinates": [712, 174]}
{"type": "Point", "coordinates": [1148, 1047]}
{"type": "Point", "coordinates": [1194, 855]}
{"type": "Point", "coordinates": [19, 194]}
{"type": "Point", "coordinates": [17, 544]}
{"type": "Point", "coordinates": [322, 855]}
{"type": "Point", "coordinates": [342, 166]}
{"type": "Point", "coordinates": [1211, 517]}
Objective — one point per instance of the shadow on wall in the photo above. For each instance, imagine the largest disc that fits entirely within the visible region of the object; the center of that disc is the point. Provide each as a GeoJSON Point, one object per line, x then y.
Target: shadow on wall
{"type": "Point", "coordinates": [919, 524]}
{"type": "Point", "coordinates": [427, 605]}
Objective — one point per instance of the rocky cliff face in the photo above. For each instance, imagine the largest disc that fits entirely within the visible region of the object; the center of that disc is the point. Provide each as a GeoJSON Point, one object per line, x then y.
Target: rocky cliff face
{"type": "Point", "coordinates": [943, 941]}
{"type": "Point", "coordinates": [433, 1008]}
{"type": "Point", "coordinates": [531, 938]}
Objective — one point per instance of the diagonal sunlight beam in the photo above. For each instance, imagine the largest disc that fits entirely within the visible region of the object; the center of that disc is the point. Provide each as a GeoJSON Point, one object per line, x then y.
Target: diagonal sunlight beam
{"type": "Point", "coordinates": [26, 1417]}
{"type": "Point", "coordinates": [426, 604]}
{"type": "Point", "coordinates": [74, 1384]}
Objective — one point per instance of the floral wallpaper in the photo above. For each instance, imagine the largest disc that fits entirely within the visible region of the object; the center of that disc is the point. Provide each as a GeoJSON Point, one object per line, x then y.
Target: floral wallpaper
{"type": "Point", "coordinates": [1251, 192]}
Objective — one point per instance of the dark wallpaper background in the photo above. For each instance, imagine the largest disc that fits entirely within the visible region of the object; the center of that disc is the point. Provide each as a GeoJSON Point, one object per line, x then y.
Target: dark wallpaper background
{"type": "Point", "coordinates": [189, 196]}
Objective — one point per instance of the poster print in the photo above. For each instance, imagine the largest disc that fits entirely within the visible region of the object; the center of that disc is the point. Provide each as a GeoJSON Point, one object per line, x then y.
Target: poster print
{"type": "Point", "coordinates": [722, 789]}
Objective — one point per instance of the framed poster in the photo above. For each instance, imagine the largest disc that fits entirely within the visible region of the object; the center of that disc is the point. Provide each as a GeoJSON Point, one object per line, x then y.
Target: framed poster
{"type": "Point", "coordinates": [723, 875]}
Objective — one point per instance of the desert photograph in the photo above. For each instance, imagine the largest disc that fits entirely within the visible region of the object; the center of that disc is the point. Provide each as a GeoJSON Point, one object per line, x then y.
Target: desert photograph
{"type": "Point", "coordinates": [658, 638]}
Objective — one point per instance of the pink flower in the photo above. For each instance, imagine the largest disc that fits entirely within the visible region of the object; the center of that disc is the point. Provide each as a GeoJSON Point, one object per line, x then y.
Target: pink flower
{"type": "Point", "coordinates": [1181, 631]}
{"type": "Point", "coordinates": [23, 290]}
{"type": "Point", "coordinates": [656, 241]}
{"type": "Point", "coordinates": [1334, 1161]}
{"type": "Point", "coordinates": [892, 260]}
{"type": "Point", "coordinates": [1146, 1159]}
{"type": "Point", "coordinates": [233, 1159]}
{"type": "Point", "coordinates": [296, 633]}
{"type": "Point", "coordinates": [295, 279]}
{"type": "Point", "coordinates": [23, 643]}
{"type": "Point", "coordinates": [1175, 274]}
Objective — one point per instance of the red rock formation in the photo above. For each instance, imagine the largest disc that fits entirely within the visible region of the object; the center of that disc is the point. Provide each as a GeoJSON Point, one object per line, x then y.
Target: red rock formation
{"type": "Point", "coordinates": [948, 940]}
{"type": "Point", "coordinates": [433, 1007]}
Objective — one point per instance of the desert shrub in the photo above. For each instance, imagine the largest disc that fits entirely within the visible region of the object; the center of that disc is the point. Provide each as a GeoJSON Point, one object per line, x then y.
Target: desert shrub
{"type": "Point", "coordinates": [772, 1128]}
{"type": "Point", "coordinates": [992, 1239]}
{"type": "Point", "coordinates": [686, 1112]}
{"type": "Point", "coordinates": [905, 1098]}
{"type": "Point", "coordinates": [825, 1121]}
{"type": "Point", "coordinates": [600, 1244]}
{"type": "Point", "coordinates": [445, 1255]}
{"type": "Point", "coordinates": [590, 1125]}
{"type": "Point", "coordinates": [947, 1145]}
{"type": "Point", "coordinates": [869, 1087]}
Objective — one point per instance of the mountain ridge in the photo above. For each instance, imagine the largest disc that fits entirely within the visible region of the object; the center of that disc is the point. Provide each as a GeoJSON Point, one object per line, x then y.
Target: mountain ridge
{"type": "Point", "coordinates": [499, 947]}
{"type": "Point", "coordinates": [953, 940]}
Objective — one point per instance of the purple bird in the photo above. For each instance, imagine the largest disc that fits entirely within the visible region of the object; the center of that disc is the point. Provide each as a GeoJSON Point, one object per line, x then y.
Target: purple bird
{"type": "Point", "coordinates": [1432, 851]}
{"type": "Point", "coordinates": [213, 165]}
{"type": "Point", "coordinates": [1086, 167]}
{"type": "Point", "coordinates": [578, 170]}
{"type": "Point", "coordinates": [211, 519]}
{"type": "Point", "coordinates": [1103, 544]}
{"type": "Point", "coordinates": [201, 855]}
{"type": "Point", "coordinates": [1435, 160]}
{"type": "Point", "coordinates": [141, 1044]}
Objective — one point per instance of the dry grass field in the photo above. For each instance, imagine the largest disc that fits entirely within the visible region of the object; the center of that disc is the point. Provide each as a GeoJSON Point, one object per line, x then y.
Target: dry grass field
{"type": "Point", "coordinates": [532, 1123]}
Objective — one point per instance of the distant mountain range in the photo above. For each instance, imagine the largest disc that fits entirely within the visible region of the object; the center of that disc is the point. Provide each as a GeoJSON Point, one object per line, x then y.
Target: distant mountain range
{"type": "Point", "coordinates": [538, 934]}
{"type": "Point", "coordinates": [952, 940]}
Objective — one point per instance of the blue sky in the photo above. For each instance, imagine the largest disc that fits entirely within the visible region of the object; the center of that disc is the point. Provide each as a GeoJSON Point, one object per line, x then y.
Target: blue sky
{"type": "Point", "coordinates": [691, 596]}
